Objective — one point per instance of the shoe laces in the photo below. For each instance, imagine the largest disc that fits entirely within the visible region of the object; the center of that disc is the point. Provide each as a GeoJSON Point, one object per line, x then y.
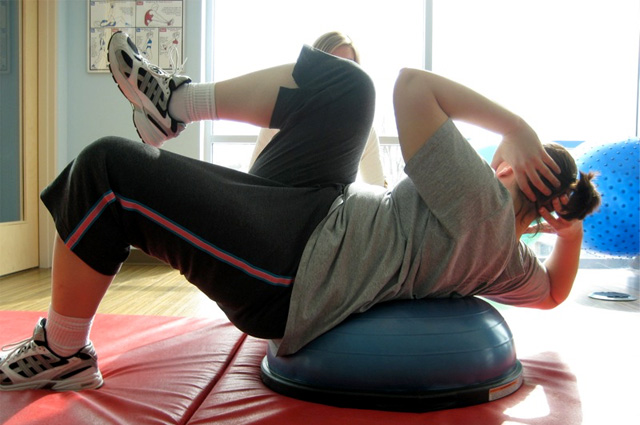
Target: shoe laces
{"type": "Point", "coordinates": [16, 348]}
{"type": "Point", "coordinates": [174, 59]}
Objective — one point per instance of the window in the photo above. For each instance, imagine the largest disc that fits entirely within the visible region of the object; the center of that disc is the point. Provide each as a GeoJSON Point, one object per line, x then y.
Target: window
{"type": "Point", "coordinates": [570, 68]}
{"type": "Point", "coordinates": [249, 35]}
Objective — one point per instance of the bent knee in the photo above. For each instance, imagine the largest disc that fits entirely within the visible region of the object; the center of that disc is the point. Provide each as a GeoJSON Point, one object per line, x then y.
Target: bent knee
{"type": "Point", "coordinates": [106, 147]}
{"type": "Point", "coordinates": [112, 154]}
{"type": "Point", "coordinates": [358, 92]}
{"type": "Point", "coordinates": [360, 83]}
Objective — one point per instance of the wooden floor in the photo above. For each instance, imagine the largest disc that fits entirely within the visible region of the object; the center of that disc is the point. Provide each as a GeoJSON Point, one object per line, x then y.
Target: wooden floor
{"type": "Point", "coordinates": [137, 289]}
{"type": "Point", "coordinates": [158, 290]}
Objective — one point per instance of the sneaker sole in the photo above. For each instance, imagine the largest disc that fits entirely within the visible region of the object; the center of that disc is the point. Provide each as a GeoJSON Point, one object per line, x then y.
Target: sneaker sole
{"type": "Point", "coordinates": [149, 133]}
{"type": "Point", "coordinates": [90, 381]}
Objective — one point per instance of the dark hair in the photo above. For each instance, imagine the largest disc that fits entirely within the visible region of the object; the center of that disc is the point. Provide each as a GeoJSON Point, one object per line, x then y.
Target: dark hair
{"type": "Point", "coordinates": [583, 195]}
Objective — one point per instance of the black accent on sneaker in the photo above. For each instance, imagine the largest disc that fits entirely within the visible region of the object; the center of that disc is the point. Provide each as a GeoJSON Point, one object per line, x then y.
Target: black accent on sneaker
{"type": "Point", "coordinates": [141, 73]}
{"type": "Point", "coordinates": [35, 365]}
{"type": "Point", "coordinates": [74, 372]}
{"type": "Point", "coordinates": [127, 59]}
{"type": "Point", "coordinates": [132, 45]}
{"type": "Point", "coordinates": [148, 85]}
{"type": "Point", "coordinates": [83, 355]}
{"type": "Point", "coordinates": [154, 122]}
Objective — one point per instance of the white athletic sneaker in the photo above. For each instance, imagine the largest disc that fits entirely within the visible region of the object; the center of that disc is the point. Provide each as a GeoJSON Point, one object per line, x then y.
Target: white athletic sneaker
{"type": "Point", "coordinates": [148, 88]}
{"type": "Point", "coordinates": [31, 365]}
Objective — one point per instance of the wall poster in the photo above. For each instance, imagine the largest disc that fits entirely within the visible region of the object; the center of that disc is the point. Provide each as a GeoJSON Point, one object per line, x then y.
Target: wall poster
{"type": "Point", "coordinates": [157, 28]}
{"type": "Point", "coordinates": [4, 38]}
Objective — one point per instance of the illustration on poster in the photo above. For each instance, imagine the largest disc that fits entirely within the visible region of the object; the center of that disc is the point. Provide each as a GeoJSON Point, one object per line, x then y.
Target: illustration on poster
{"type": "Point", "coordinates": [152, 15]}
{"type": "Point", "coordinates": [155, 26]}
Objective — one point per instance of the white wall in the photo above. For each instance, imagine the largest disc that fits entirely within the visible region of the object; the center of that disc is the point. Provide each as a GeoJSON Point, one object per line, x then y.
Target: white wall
{"type": "Point", "coordinates": [90, 105]}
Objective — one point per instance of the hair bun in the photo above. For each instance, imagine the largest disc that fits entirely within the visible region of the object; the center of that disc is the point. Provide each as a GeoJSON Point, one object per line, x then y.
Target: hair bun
{"type": "Point", "coordinates": [583, 198]}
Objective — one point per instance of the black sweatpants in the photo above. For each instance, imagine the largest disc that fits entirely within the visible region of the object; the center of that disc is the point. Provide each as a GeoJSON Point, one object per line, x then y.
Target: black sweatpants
{"type": "Point", "coordinates": [238, 237]}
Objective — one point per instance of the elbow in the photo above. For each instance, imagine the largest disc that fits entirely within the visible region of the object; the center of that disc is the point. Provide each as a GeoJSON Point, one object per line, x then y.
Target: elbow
{"type": "Point", "coordinates": [546, 306]}
{"type": "Point", "coordinates": [548, 303]}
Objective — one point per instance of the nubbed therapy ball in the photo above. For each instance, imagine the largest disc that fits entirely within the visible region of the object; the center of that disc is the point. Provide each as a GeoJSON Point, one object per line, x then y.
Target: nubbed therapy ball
{"type": "Point", "coordinates": [614, 228]}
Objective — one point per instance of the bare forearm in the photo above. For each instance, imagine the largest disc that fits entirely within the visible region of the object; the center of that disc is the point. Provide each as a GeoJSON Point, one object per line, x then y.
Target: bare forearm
{"type": "Point", "coordinates": [460, 102]}
{"type": "Point", "coordinates": [562, 267]}
{"type": "Point", "coordinates": [424, 101]}
{"type": "Point", "coordinates": [464, 104]}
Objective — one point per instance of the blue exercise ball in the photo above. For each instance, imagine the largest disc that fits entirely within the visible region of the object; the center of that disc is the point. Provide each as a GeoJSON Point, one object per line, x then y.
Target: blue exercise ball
{"type": "Point", "coordinates": [412, 355]}
{"type": "Point", "coordinates": [613, 228]}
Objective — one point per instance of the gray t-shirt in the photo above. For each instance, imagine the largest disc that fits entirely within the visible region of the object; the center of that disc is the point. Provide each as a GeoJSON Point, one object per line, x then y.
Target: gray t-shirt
{"type": "Point", "coordinates": [448, 230]}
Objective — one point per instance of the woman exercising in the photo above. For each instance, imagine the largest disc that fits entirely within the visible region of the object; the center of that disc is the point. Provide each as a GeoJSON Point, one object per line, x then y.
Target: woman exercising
{"type": "Point", "coordinates": [292, 250]}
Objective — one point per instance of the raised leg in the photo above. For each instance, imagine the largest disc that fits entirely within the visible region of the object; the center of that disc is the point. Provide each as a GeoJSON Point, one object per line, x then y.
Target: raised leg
{"type": "Point", "coordinates": [251, 98]}
{"type": "Point", "coordinates": [164, 103]}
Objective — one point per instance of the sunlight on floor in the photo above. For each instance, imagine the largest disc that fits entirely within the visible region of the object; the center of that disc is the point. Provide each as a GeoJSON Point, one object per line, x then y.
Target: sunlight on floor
{"type": "Point", "coordinates": [534, 406]}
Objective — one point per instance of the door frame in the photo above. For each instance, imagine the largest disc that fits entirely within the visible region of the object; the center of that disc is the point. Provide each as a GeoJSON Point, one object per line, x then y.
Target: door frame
{"type": "Point", "coordinates": [19, 242]}
{"type": "Point", "coordinates": [47, 120]}
{"type": "Point", "coordinates": [27, 243]}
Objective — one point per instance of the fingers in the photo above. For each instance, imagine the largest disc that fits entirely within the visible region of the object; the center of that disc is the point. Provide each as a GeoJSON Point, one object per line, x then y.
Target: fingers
{"type": "Point", "coordinates": [559, 203]}
{"type": "Point", "coordinates": [523, 183]}
{"type": "Point", "coordinates": [543, 169]}
{"type": "Point", "coordinates": [548, 217]}
{"type": "Point", "coordinates": [551, 164]}
{"type": "Point", "coordinates": [553, 223]}
{"type": "Point", "coordinates": [558, 207]}
{"type": "Point", "coordinates": [529, 178]}
{"type": "Point", "coordinates": [550, 169]}
{"type": "Point", "coordinates": [556, 222]}
{"type": "Point", "coordinates": [530, 167]}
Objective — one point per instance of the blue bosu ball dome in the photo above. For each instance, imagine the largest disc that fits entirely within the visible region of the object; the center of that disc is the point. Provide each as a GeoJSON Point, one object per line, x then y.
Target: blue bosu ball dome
{"type": "Point", "coordinates": [614, 228]}
{"type": "Point", "coordinates": [413, 355]}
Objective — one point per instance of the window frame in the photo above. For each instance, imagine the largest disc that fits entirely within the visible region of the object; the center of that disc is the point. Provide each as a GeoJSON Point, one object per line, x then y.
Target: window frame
{"type": "Point", "coordinates": [210, 139]}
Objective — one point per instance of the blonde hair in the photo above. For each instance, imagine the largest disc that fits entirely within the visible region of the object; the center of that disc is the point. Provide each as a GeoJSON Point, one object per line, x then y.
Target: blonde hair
{"type": "Point", "coordinates": [332, 40]}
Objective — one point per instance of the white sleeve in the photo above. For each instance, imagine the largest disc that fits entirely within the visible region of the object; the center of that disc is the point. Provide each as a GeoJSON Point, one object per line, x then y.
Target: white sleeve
{"type": "Point", "coordinates": [370, 170]}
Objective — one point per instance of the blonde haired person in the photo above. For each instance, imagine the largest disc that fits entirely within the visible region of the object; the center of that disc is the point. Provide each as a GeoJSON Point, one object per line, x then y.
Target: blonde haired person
{"type": "Point", "coordinates": [370, 169]}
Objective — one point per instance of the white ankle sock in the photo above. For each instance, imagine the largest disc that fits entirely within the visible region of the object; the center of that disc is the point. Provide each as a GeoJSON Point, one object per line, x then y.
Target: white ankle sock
{"type": "Point", "coordinates": [193, 102]}
{"type": "Point", "coordinates": [66, 335]}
